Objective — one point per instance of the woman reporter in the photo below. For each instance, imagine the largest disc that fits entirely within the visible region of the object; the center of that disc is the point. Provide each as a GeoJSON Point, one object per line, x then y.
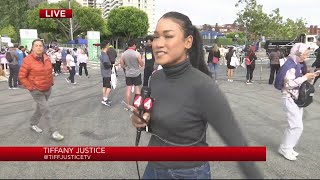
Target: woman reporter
{"type": "Point", "coordinates": [189, 101]}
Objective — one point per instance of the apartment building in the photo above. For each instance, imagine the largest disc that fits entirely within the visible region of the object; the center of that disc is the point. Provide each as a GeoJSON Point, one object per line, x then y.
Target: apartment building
{"type": "Point", "coordinates": [87, 3]}
{"type": "Point", "coordinates": [147, 6]}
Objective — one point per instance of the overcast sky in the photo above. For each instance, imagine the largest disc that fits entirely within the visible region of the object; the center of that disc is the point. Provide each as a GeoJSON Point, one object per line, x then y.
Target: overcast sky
{"type": "Point", "coordinates": [224, 12]}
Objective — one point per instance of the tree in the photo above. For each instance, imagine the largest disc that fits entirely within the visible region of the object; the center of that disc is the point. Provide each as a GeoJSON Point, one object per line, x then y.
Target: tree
{"type": "Point", "coordinates": [10, 32]}
{"type": "Point", "coordinates": [271, 25]}
{"type": "Point", "coordinates": [129, 22]}
{"type": "Point", "coordinates": [253, 19]}
{"type": "Point", "coordinates": [12, 13]}
{"type": "Point", "coordinates": [84, 19]}
{"type": "Point", "coordinates": [207, 27]}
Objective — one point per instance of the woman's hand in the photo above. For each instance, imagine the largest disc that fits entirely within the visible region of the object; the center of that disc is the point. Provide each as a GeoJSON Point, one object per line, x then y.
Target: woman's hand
{"type": "Point", "coordinates": [136, 121]}
{"type": "Point", "coordinates": [310, 76]}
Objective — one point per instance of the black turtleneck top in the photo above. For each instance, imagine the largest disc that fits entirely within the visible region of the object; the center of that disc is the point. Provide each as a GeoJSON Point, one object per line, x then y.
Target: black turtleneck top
{"type": "Point", "coordinates": [185, 100]}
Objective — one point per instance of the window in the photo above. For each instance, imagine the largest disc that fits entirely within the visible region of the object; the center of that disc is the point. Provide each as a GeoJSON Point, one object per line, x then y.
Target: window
{"type": "Point", "coordinates": [310, 39]}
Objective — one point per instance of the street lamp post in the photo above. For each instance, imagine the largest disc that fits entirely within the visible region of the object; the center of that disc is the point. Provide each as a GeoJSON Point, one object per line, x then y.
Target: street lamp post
{"type": "Point", "coordinates": [71, 24]}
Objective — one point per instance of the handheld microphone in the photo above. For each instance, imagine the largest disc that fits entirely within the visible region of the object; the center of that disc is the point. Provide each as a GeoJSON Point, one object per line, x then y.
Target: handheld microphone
{"type": "Point", "coordinates": [144, 104]}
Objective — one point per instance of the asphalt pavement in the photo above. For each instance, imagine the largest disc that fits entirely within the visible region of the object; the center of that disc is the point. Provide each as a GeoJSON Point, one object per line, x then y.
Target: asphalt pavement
{"type": "Point", "coordinates": [84, 121]}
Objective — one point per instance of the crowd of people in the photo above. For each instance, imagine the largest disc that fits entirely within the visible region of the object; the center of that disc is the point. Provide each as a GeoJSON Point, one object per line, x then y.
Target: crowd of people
{"type": "Point", "coordinates": [176, 48]}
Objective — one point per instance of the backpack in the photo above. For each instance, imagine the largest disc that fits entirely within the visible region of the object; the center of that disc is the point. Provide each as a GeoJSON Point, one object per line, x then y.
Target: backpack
{"type": "Point", "coordinates": [306, 92]}
{"type": "Point", "coordinates": [9, 57]}
{"type": "Point", "coordinates": [279, 81]}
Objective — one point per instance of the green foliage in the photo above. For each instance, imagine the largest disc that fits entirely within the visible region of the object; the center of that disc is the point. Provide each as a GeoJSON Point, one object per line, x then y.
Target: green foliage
{"type": "Point", "coordinates": [129, 22]}
{"type": "Point", "coordinates": [12, 13]}
{"type": "Point", "coordinates": [271, 26]}
{"type": "Point", "coordinates": [10, 32]}
{"type": "Point", "coordinates": [224, 41]}
{"type": "Point", "coordinates": [233, 34]}
{"type": "Point", "coordinates": [84, 19]}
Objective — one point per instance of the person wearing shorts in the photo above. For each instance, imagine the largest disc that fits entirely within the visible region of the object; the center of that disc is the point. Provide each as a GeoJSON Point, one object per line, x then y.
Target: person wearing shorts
{"type": "Point", "coordinates": [131, 60]}
{"type": "Point", "coordinates": [105, 66]}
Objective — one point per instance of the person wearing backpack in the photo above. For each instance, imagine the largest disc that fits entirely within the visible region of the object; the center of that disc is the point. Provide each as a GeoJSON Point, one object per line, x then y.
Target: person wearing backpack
{"type": "Point", "coordinates": [289, 79]}
{"type": "Point", "coordinates": [12, 58]}
{"type": "Point", "coordinates": [112, 54]}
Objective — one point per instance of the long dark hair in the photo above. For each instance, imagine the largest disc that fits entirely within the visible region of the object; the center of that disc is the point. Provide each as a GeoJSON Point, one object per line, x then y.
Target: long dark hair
{"type": "Point", "coordinates": [196, 54]}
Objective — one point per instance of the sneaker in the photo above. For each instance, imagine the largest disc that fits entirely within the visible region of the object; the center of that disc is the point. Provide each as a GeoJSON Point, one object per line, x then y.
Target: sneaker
{"type": "Point", "coordinates": [15, 88]}
{"type": "Point", "coordinates": [10, 88]}
{"type": "Point", "coordinates": [88, 76]}
{"type": "Point", "coordinates": [248, 82]}
{"type": "Point", "coordinates": [252, 81]}
{"type": "Point", "coordinates": [105, 103]}
{"type": "Point", "coordinates": [295, 153]}
{"type": "Point", "coordinates": [68, 81]}
{"type": "Point", "coordinates": [74, 83]}
{"type": "Point", "coordinates": [109, 101]}
{"type": "Point", "coordinates": [56, 74]}
{"type": "Point", "coordinates": [231, 80]}
{"type": "Point", "coordinates": [288, 156]}
{"type": "Point", "coordinates": [36, 129]}
{"type": "Point", "coordinates": [57, 136]}
{"type": "Point", "coordinates": [228, 80]}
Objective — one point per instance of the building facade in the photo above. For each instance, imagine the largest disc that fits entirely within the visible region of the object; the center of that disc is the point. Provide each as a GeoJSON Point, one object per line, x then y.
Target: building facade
{"type": "Point", "coordinates": [87, 3]}
{"type": "Point", "coordinates": [314, 30]}
{"type": "Point", "coordinates": [147, 6]}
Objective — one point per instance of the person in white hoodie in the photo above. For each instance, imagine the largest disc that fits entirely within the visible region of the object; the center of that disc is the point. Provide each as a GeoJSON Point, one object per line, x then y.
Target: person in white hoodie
{"type": "Point", "coordinates": [71, 65]}
{"type": "Point", "coordinates": [299, 53]}
{"type": "Point", "coordinates": [83, 59]}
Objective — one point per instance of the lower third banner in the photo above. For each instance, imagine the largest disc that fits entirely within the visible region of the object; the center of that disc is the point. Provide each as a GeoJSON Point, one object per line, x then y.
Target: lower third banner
{"type": "Point", "coordinates": [89, 153]}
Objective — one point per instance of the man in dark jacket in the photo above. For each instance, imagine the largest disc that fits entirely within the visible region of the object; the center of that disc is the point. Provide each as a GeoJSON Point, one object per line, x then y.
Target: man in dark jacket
{"type": "Point", "coordinates": [316, 63]}
{"type": "Point", "coordinates": [13, 69]}
{"type": "Point", "coordinates": [149, 61]}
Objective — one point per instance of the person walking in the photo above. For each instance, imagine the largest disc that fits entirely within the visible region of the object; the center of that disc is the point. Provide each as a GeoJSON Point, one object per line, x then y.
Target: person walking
{"type": "Point", "coordinates": [105, 67]}
{"type": "Point", "coordinates": [36, 76]}
{"type": "Point", "coordinates": [131, 60]}
{"type": "Point", "coordinates": [71, 66]}
{"type": "Point", "coordinates": [290, 91]}
{"type": "Point", "coordinates": [184, 96]}
{"type": "Point", "coordinates": [149, 61]}
{"type": "Point", "coordinates": [275, 57]}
